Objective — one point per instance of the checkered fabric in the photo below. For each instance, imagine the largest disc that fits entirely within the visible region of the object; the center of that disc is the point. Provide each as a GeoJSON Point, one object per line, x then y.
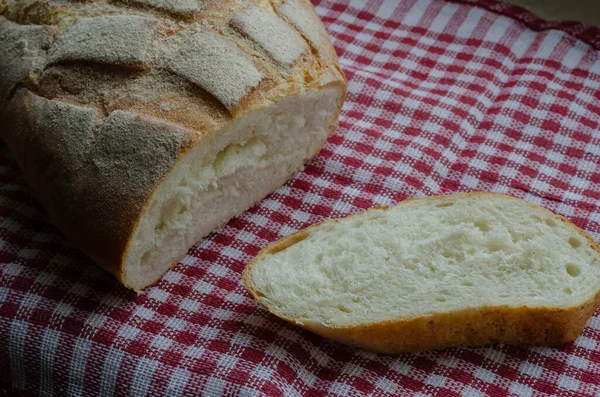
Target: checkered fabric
{"type": "Point", "coordinates": [443, 97]}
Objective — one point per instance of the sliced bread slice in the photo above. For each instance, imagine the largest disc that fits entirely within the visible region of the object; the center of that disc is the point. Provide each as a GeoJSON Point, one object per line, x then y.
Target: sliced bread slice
{"type": "Point", "coordinates": [462, 270]}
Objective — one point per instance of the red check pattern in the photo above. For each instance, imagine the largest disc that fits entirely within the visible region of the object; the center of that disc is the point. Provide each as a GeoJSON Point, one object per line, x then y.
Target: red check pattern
{"type": "Point", "coordinates": [443, 97]}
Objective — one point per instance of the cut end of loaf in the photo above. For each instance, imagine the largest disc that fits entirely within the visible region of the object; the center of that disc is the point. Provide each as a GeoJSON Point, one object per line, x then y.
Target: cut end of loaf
{"type": "Point", "coordinates": [470, 257]}
{"type": "Point", "coordinates": [229, 173]}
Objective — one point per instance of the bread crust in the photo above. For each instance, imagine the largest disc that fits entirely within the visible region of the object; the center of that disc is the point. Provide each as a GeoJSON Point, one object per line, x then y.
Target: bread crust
{"type": "Point", "coordinates": [470, 327]}
{"type": "Point", "coordinates": [65, 90]}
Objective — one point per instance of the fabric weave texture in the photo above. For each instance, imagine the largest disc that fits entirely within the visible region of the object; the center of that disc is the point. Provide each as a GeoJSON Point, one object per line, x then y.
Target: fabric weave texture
{"type": "Point", "coordinates": [443, 97]}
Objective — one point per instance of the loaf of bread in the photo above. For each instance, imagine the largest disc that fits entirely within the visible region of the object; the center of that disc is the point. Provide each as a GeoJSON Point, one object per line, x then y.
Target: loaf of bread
{"type": "Point", "coordinates": [461, 270]}
{"type": "Point", "coordinates": [144, 125]}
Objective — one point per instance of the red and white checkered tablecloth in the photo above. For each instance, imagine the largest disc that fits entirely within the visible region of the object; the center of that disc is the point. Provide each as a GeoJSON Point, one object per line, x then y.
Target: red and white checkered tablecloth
{"type": "Point", "coordinates": [443, 97]}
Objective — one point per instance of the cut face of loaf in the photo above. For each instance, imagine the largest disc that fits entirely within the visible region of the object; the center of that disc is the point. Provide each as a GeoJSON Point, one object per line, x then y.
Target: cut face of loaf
{"type": "Point", "coordinates": [143, 126]}
{"type": "Point", "coordinates": [462, 270]}
{"type": "Point", "coordinates": [227, 174]}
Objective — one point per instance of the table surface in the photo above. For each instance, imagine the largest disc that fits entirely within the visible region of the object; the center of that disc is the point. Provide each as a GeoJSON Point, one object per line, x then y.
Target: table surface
{"type": "Point", "coordinates": [443, 97]}
{"type": "Point", "coordinates": [587, 11]}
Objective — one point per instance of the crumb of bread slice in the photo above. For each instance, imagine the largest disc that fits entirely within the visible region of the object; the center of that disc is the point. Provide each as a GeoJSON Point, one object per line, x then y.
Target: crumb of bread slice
{"type": "Point", "coordinates": [461, 270]}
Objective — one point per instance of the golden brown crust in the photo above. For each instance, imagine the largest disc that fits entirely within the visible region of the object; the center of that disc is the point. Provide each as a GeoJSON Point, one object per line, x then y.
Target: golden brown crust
{"type": "Point", "coordinates": [469, 327]}
{"type": "Point", "coordinates": [94, 179]}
